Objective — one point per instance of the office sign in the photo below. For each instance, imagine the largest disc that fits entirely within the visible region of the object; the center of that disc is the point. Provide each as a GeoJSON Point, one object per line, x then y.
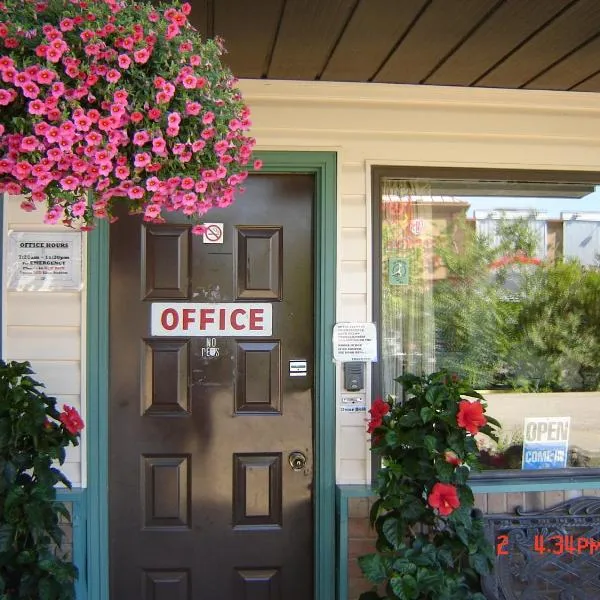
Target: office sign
{"type": "Point", "coordinates": [231, 319]}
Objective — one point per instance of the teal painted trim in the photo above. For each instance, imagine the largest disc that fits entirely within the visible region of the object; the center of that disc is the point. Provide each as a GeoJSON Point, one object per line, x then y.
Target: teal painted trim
{"type": "Point", "coordinates": [324, 166]}
{"type": "Point", "coordinates": [97, 412]}
{"type": "Point", "coordinates": [77, 499]}
{"type": "Point", "coordinates": [535, 485]}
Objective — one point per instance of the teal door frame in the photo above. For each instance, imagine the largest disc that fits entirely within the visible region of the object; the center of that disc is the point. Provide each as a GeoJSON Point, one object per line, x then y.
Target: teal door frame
{"type": "Point", "coordinates": [323, 165]}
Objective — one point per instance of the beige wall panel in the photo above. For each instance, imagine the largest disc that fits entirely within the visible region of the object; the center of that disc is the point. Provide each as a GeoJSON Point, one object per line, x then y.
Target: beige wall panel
{"type": "Point", "coordinates": [72, 471]}
{"type": "Point", "coordinates": [353, 176]}
{"type": "Point", "coordinates": [16, 217]}
{"type": "Point", "coordinates": [353, 277]}
{"type": "Point", "coordinates": [60, 378]}
{"type": "Point", "coordinates": [50, 343]}
{"type": "Point", "coordinates": [351, 471]}
{"type": "Point", "coordinates": [353, 307]}
{"type": "Point", "coordinates": [45, 309]}
{"type": "Point", "coordinates": [353, 244]}
{"type": "Point", "coordinates": [352, 442]}
{"type": "Point", "coordinates": [353, 211]}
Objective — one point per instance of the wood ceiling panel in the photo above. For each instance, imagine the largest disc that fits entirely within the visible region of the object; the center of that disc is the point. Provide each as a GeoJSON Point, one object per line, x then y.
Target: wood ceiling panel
{"type": "Point", "coordinates": [509, 26]}
{"type": "Point", "coordinates": [375, 27]}
{"type": "Point", "coordinates": [590, 85]}
{"type": "Point", "coordinates": [249, 30]}
{"type": "Point", "coordinates": [569, 72]}
{"type": "Point", "coordinates": [307, 34]}
{"type": "Point", "coordinates": [580, 22]}
{"type": "Point", "coordinates": [432, 38]}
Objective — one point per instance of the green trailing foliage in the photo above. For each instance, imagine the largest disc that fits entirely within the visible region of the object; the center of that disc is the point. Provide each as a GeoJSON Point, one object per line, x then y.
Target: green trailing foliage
{"type": "Point", "coordinates": [430, 539]}
{"type": "Point", "coordinates": [33, 438]}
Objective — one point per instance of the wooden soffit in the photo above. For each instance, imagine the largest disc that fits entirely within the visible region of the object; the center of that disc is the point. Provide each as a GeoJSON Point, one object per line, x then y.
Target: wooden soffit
{"type": "Point", "coordinates": [514, 44]}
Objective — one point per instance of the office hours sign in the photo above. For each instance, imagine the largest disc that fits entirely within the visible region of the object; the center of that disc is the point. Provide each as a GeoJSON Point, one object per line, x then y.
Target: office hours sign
{"type": "Point", "coordinates": [44, 261]}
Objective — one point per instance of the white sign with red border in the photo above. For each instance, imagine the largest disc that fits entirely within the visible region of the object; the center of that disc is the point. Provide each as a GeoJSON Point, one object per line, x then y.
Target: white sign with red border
{"type": "Point", "coordinates": [213, 233]}
{"type": "Point", "coordinates": [230, 319]}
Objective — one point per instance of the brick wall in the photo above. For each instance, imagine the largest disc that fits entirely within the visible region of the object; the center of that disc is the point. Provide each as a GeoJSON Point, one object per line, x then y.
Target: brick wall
{"type": "Point", "coordinates": [361, 538]}
{"type": "Point", "coordinates": [66, 549]}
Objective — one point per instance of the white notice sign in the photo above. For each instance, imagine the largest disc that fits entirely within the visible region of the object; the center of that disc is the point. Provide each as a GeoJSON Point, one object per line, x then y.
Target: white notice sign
{"type": "Point", "coordinates": [231, 319]}
{"type": "Point", "coordinates": [43, 261]}
{"type": "Point", "coordinates": [355, 342]}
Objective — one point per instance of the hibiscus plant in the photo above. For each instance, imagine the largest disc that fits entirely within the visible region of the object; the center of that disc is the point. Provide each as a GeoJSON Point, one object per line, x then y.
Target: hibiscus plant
{"type": "Point", "coordinates": [120, 98]}
{"type": "Point", "coordinates": [33, 438]}
{"type": "Point", "coordinates": [430, 539]}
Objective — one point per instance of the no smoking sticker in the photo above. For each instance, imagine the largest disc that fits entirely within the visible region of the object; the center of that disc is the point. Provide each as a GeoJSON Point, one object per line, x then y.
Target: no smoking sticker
{"type": "Point", "coordinates": [213, 233]}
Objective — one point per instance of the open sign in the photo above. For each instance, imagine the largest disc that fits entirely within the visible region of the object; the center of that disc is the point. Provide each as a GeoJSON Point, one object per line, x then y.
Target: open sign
{"type": "Point", "coordinates": [230, 319]}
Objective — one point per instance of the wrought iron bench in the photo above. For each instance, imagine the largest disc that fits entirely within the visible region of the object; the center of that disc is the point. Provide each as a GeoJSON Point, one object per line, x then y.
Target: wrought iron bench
{"type": "Point", "coordinates": [553, 554]}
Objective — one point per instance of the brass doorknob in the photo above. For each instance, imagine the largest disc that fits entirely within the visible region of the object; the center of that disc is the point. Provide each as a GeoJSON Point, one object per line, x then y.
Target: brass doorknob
{"type": "Point", "coordinates": [297, 460]}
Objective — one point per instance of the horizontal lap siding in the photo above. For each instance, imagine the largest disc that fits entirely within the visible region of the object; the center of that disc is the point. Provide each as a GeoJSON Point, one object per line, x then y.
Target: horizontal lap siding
{"type": "Point", "coordinates": [412, 125]}
{"type": "Point", "coordinates": [365, 125]}
{"type": "Point", "coordinates": [45, 328]}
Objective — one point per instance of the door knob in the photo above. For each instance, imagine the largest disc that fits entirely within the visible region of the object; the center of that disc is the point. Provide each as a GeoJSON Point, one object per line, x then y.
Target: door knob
{"type": "Point", "coordinates": [297, 460]}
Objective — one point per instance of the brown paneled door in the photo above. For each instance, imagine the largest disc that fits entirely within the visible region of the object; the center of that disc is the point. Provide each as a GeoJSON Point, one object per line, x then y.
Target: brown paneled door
{"type": "Point", "coordinates": [211, 409]}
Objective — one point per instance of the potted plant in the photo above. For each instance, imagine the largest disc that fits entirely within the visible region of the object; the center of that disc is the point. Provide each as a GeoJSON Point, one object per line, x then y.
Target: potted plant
{"type": "Point", "coordinates": [120, 98]}
{"type": "Point", "coordinates": [33, 438]}
{"type": "Point", "coordinates": [430, 540]}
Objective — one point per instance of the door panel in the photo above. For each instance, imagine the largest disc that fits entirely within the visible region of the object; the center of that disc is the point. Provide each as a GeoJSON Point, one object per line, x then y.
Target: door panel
{"type": "Point", "coordinates": [204, 502]}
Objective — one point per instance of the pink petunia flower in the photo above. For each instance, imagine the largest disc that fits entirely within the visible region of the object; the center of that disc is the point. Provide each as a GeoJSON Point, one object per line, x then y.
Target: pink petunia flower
{"type": "Point", "coordinates": [141, 56]}
{"type": "Point", "coordinates": [124, 61]}
{"type": "Point", "coordinates": [113, 76]}
{"type": "Point", "coordinates": [141, 160]}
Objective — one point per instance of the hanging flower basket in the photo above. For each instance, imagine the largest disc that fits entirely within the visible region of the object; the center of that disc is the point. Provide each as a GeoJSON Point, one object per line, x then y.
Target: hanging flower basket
{"type": "Point", "coordinates": [123, 99]}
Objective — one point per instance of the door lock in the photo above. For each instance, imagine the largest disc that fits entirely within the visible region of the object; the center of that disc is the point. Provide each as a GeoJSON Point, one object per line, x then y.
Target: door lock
{"type": "Point", "coordinates": [297, 460]}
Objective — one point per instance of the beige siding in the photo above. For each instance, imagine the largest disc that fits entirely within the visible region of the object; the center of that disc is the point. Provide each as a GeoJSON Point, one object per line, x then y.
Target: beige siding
{"type": "Point", "coordinates": [365, 124]}
{"type": "Point", "coordinates": [369, 124]}
{"type": "Point", "coordinates": [45, 328]}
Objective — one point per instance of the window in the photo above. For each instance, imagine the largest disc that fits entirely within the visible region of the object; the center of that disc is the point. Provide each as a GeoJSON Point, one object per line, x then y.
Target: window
{"type": "Point", "coordinates": [499, 282]}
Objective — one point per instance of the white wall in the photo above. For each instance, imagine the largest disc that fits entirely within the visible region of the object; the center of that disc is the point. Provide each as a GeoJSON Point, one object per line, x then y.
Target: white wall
{"type": "Point", "coordinates": [45, 328]}
{"type": "Point", "coordinates": [365, 124]}
{"type": "Point", "coordinates": [372, 124]}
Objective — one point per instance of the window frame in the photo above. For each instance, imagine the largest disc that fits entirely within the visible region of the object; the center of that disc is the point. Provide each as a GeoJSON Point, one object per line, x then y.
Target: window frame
{"type": "Point", "coordinates": [378, 173]}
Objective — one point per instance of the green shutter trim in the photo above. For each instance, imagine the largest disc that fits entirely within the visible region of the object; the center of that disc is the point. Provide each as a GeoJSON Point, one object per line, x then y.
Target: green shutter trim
{"type": "Point", "coordinates": [76, 497]}
{"type": "Point", "coordinates": [97, 412]}
{"type": "Point", "coordinates": [324, 166]}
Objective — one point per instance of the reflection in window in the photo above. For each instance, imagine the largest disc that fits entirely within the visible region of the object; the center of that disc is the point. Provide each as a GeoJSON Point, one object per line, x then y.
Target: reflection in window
{"type": "Point", "coordinates": [500, 284]}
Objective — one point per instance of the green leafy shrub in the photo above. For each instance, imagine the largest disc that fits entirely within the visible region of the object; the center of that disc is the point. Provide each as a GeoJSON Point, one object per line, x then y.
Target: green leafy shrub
{"type": "Point", "coordinates": [430, 540]}
{"type": "Point", "coordinates": [560, 322]}
{"type": "Point", "coordinates": [33, 438]}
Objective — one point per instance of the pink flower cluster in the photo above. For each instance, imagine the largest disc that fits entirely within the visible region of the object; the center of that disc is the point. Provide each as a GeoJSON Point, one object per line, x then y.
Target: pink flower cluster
{"type": "Point", "coordinates": [86, 115]}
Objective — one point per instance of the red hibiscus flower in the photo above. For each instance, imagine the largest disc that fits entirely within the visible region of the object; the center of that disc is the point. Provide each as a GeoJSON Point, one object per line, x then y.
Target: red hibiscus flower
{"type": "Point", "coordinates": [71, 420]}
{"type": "Point", "coordinates": [470, 416]}
{"type": "Point", "coordinates": [452, 458]}
{"type": "Point", "coordinates": [378, 409]}
{"type": "Point", "coordinates": [443, 496]}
